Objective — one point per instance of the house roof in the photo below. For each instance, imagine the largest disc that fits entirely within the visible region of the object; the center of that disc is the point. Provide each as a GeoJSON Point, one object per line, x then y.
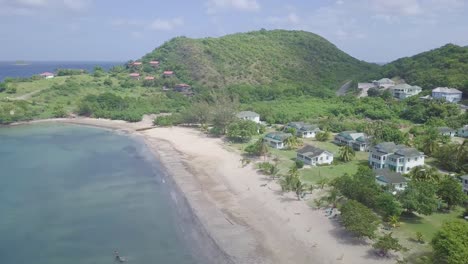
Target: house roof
{"type": "Point", "coordinates": [47, 74]}
{"type": "Point", "coordinates": [388, 176]}
{"type": "Point", "coordinates": [385, 80]}
{"type": "Point", "coordinates": [385, 147]}
{"type": "Point", "coordinates": [408, 152]}
{"type": "Point", "coordinates": [149, 78]}
{"type": "Point", "coordinates": [406, 86]}
{"type": "Point", "coordinates": [182, 85]}
{"type": "Point", "coordinates": [168, 72]}
{"type": "Point", "coordinates": [154, 62]}
{"type": "Point", "coordinates": [278, 136]}
{"type": "Point", "coordinates": [301, 126]}
{"type": "Point", "coordinates": [311, 151]}
{"type": "Point", "coordinates": [137, 63]}
{"type": "Point", "coordinates": [134, 74]}
{"type": "Point", "coordinates": [245, 114]}
{"type": "Point", "coordinates": [446, 90]}
{"type": "Point", "coordinates": [445, 130]}
{"type": "Point", "coordinates": [352, 135]}
{"type": "Point", "coordinates": [365, 85]}
{"type": "Point", "coordinates": [464, 177]}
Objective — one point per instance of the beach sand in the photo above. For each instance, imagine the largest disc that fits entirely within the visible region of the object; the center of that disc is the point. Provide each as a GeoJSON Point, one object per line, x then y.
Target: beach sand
{"type": "Point", "coordinates": [250, 221]}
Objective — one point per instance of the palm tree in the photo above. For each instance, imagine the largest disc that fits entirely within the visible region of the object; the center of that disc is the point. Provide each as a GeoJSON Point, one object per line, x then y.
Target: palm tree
{"type": "Point", "coordinates": [394, 220]}
{"type": "Point", "coordinates": [333, 197]}
{"type": "Point", "coordinates": [424, 173]}
{"type": "Point", "coordinates": [292, 142]}
{"type": "Point", "coordinates": [298, 187]}
{"type": "Point", "coordinates": [347, 153]}
{"type": "Point", "coordinates": [322, 182]}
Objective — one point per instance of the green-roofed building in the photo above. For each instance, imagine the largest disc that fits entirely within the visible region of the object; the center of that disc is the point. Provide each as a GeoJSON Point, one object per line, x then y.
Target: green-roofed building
{"type": "Point", "coordinates": [304, 130]}
{"type": "Point", "coordinates": [358, 141]}
{"type": "Point", "coordinates": [277, 139]}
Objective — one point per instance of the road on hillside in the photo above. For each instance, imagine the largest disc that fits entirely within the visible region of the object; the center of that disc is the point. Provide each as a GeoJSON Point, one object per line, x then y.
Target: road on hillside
{"type": "Point", "coordinates": [344, 89]}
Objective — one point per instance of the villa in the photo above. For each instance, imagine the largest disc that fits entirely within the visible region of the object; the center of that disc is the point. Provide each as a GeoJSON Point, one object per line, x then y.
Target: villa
{"type": "Point", "coordinates": [47, 75]}
{"type": "Point", "coordinates": [393, 180]}
{"type": "Point", "coordinates": [311, 155]}
{"type": "Point", "coordinates": [154, 63]}
{"type": "Point", "coordinates": [168, 73]}
{"type": "Point", "coordinates": [137, 63]}
{"type": "Point", "coordinates": [384, 83]}
{"type": "Point", "coordinates": [464, 179]}
{"type": "Point", "coordinates": [463, 132]}
{"type": "Point", "coordinates": [399, 158]}
{"type": "Point", "coordinates": [183, 88]}
{"type": "Point", "coordinates": [149, 78]}
{"type": "Point", "coordinates": [451, 95]}
{"type": "Point", "coordinates": [276, 139]}
{"type": "Point", "coordinates": [446, 131]}
{"type": "Point", "coordinates": [135, 76]}
{"type": "Point", "coordinates": [304, 130]}
{"type": "Point", "coordinates": [249, 115]}
{"type": "Point", "coordinates": [403, 91]}
{"type": "Point", "coordinates": [358, 141]}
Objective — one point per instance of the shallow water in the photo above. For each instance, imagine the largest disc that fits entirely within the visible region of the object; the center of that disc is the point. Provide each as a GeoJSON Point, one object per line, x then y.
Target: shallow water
{"type": "Point", "coordinates": [73, 194]}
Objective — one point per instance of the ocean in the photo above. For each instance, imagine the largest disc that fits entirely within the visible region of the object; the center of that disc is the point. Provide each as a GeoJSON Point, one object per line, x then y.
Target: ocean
{"type": "Point", "coordinates": [74, 194]}
{"type": "Point", "coordinates": [10, 69]}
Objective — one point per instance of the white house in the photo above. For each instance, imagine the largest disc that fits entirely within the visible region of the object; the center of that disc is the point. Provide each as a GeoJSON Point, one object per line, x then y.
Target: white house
{"type": "Point", "coordinates": [451, 95]}
{"type": "Point", "coordinates": [276, 139]}
{"type": "Point", "coordinates": [47, 75]}
{"type": "Point", "coordinates": [463, 131]}
{"type": "Point", "coordinates": [249, 115]}
{"type": "Point", "coordinates": [384, 83]}
{"type": "Point", "coordinates": [304, 130]}
{"type": "Point", "coordinates": [446, 131]}
{"type": "Point", "coordinates": [399, 158]}
{"type": "Point", "coordinates": [393, 180]}
{"type": "Point", "coordinates": [311, 155]}
{"type": "Point", "coordinates": [464, 179]}
{"type": "Point", "coordinates": [358, 141]}
{"type": "Point", "coordinates": [402, 91]}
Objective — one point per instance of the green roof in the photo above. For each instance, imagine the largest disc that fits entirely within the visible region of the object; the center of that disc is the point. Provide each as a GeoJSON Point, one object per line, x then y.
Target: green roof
{"type": "Point", "coordinates": [279, 136]}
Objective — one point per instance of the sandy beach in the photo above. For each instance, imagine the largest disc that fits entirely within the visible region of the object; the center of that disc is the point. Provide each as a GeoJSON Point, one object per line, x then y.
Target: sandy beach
{"type": "Point", "coordinates": [250, 221]}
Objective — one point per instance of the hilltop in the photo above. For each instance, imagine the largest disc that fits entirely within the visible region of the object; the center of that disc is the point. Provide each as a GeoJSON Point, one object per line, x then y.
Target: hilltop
{"type": "Point", "coordinates": [444, 66]}
{"type": "Point", "coordinates": [279, 58]}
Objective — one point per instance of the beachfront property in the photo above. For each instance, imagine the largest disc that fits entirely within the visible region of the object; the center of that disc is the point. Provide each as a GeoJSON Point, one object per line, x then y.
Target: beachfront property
{"type": "Point", "coordinates": [383, 83]}
{"type": "Point", "coordinates": [390, 179]}
{"type": "Point", "coordinates": [463, 131]}
{"type": "Point", "coordinates": [311, 155]}
{"type": "Point", "coordinates": [403, 91]}
{"type": "Point", "coordinates": [399, 158]}
{"type": "Point", "coordinates": [304, 130]}
{"type": "Point", "coordinates": [47, 75]}
{"type": "Point", "coordinates": [450, 95]}
{"type": "Point", "coordinates": [249, 115]}
{"type": "Point", "coordinates": [168, 73]}
{"type": "Point", "coordinates": [358, 141]}
{"type": "Point", "coordinates": [464, 182]}
{"type": "Point", "coordinates": [276, 139]}
{"type": "Point", "coordinates": [447, 131]}
{"type": "Point", "coordinates": [135, 76]}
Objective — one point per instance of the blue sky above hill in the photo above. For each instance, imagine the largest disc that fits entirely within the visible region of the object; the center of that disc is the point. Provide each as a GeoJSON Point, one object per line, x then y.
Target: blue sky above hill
{"type": "Point", "coordinates": [371, 30]}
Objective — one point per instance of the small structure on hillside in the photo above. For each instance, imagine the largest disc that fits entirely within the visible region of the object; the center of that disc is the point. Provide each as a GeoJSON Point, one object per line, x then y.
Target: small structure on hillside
{"type": "Point", "coordinates": [249, 115]}
{"type": "Point", "coordinates": [154, 64]}
{"type": "Point", "coordinates": [47, 75]}
{"type": "Point", "coordinates": [403, 91]}
{"type": "Point", "coordinates": [136, 63]}
{"type": "Point", "coordinates": [183, 88]}
{"type": "Point", "coordinates": [304, 130]}
{"type": "Point", "coordinates": [276, 139]}
{"type": "Point", "coordinates": [384, 83]}
{"type": "Point", "coordinates": [450, 95]}
{"type": "Point", "coordinates": [391, 179]}
{"type": "Point", "coordinates": [168, 73]}
{"type": "Point", "coordinates": [149, 78]}
{"type": "Point", "coordinates": [358, 141]}
{"type": "Point", "coordinates": [463, 131]}
{"type": "Point", "coordinates": [311, 155]}
{"type": "Point", "coordinates": [446, 131]}
{"type": "Point", "coordinates": [135, 75]}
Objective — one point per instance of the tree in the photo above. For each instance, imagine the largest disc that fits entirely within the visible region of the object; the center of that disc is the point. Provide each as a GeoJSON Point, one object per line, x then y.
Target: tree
{"type": "Point", "coordinates": [450, 244]}
{"type": "Point", "coordinates": [198, 113]}
{"type": "Point", "coordinates": [386, 243]}
{"type": "Point", "coordinates": [394, 220]}
{"type": "Point", "coordinates": [298, 187]}
{"type": "Point", "coordinates": [419, 197]}
{"type": "Point", "coordinates": [108, 82]}
{"type": "Point", "coordinates": [323, 136]}
{"type": "Point", "coordinates": [3, 86]}
{"type": "Point", "coordinates": [292, 142]}
{"type": "Point", "coordinates": [242, 130]}
{"type": "Point", "coordinates": [322, 182]}
{"type": "Point", "coordinates": [59, 111]}
{"type": "Point", "coordinates": [259, 148]}
{"type": "Point", "coordinates": [346, 153]}
{"type": "Point", "coordinates": [98, 71]}
{"type": "Point", "coordinates": [424, 173]}
{"type": "Point", "coordinates": [419, 237]}
{"type": "Point", "coordinates": [361, 186]}
{"type": "Point", "coordinates": [451, 192]}
{"type": "Point", "coordinates": [359, 219]}
{"type": "Point", "coordinates": [224, 112]}
{"type": "Point", "coordinates": [387, 205]}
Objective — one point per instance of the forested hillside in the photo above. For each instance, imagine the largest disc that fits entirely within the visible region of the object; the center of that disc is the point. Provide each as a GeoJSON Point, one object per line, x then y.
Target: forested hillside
{"type": "Point", "coordinates": [275, 59]}
{"type": "Point", "coordinates": [445, 66]}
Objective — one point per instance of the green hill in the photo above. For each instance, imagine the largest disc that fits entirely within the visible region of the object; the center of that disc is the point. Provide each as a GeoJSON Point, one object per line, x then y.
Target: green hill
{"type": "Point", "coordinates": [445, 66]}
{"type": "Point", "coordinates": [278, 58]}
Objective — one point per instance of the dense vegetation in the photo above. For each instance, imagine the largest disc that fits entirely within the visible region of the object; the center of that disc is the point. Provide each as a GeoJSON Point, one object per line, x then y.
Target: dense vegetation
{"type": "Point", "coordinates": [262, 63]}
{"type": "Point", "coordinates": [445, 66]}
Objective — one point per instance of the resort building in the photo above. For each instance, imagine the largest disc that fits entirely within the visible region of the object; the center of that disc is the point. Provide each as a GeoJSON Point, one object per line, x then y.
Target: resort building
{"type": "Point", "coordinates": [402, 91]}
{"type": "Point", "coordinates": [464, 179]}
{"type": "Point", "coordinates": [154, 64]}
{"type": "Point", "coordinates": [149, 78]}
{"type": "Point", "coordinates": [399, 158]}
{"type": "Point", "coordinates": [304, 130]}
{"type": "Point", "coordinates": [390, 179]}
{"type": "Point", "coordinates": [134, 75]}
{"type": "Point", "coordinates": [277, 139]}
{"type": "Point", "coordinates": [463, 132]}
{"type": "Point", "coordinates": [383, 83]}
{"type": "Point", "coordinates": [451, 95]}
{"type": "Point", "coordinates": [446, 131]}
{"type": "Point", "coordinates": [249, 115]}
{"type": "Point", "coordinates": [311, 155]}
{"type": "Point", "coordinates": [168, 73]}
{"type": "Point", "coordinates": [183, 88]}
{"type": "Point", "coordinates": [136, 63]}
{"type": "Point", "coordinates": [358, 141]}
{"type": "Point", "coordinates": [47, 75]}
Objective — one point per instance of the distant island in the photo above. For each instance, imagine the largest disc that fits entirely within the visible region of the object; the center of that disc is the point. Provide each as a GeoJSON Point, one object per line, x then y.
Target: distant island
{"type": "Point", "coordinates": [21, 63]}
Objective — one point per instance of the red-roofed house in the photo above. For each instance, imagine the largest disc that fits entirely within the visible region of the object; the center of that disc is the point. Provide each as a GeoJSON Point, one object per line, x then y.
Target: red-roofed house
{"type": "Point", "coordinates": [137, 63]}
{"type": "Point", "coordinates": [168, 73]}
{"type": "Point", "coordinates": [47, 75]}
{"type": "Point", "coordinates": [135, 75]}
{"type": "Point", "coordinates": [154, 63]}
{"type": "Point", "coordinates": [149, 78]}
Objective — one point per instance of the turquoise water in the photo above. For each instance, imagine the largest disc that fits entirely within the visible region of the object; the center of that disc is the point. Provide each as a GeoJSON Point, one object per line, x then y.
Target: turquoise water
{"type": "Point", "coordinates": [71, 194]}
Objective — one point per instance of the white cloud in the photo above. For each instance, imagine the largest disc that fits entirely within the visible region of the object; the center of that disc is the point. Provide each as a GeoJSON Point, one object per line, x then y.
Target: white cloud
{"type": "Point", "coordinates": [291, 19]}
{"type": "Point", "coordinates": [214, 6]}
{"type": "Point", "coordinates": [31, 7]}
{"type": "Point", "coordinates": [125, 22]}
{"type": "Point", "coordinates": [166, 24]}
{"type": "Point", "coordinates": [397, 7]}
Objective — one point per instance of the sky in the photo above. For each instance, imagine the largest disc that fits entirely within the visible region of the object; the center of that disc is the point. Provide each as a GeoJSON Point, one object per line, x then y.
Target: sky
{"type": "Point", "coordinates": [120, 30]}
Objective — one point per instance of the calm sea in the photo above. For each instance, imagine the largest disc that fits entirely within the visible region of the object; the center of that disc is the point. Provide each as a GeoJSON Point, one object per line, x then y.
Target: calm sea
{"type": "Point", "coordinates": [10, 69]}
{"type": "Point", "coordinates": [73, 194]}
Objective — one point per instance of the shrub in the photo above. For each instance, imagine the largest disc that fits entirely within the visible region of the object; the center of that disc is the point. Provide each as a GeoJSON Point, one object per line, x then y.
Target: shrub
{"type": "Point", "coordinates": [299, 164]}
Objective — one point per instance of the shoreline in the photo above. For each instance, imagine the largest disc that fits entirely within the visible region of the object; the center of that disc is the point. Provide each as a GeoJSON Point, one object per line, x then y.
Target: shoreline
{"type": "Point", "coordinates": [249, 221]}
